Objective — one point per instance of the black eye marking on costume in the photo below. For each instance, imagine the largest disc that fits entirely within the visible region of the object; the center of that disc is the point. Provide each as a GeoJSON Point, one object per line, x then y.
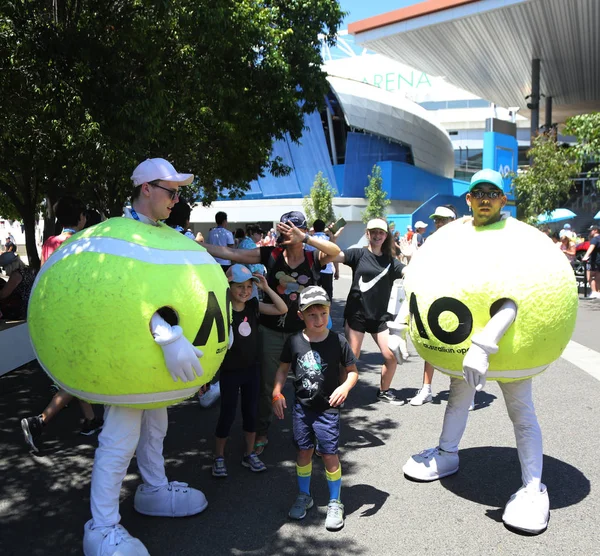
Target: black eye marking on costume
{"type": "Point", "coordinates": [439, 306]}
{"type": "Point", "coordinates": [214, 315]}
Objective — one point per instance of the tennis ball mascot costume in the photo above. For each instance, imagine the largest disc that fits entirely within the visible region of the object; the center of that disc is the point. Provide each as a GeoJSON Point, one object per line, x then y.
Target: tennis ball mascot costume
{"type": "Point", "coordinates": [505, 316]}
{"type": "Point", "coordinates": [142, 301]}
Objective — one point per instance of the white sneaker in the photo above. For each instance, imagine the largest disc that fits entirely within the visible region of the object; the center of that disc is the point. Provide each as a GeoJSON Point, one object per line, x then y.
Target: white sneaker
{"type": "Point", "coordinates": [210, 396]}
{"type": "Point", "coordinates": [111, 541]}
{"type": "Point", "coordinates": [528, 510]}
{"type": "Point", "coordinates": [431, 464]}
{"type": "Point", "coordinates": [424, 396]}
{"type": "Point", "coordinates": [172, 500]}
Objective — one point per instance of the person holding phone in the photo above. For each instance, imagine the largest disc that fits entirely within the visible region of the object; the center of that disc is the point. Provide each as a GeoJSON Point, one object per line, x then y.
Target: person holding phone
{"type": "Point", "coordinates": [374, 269]}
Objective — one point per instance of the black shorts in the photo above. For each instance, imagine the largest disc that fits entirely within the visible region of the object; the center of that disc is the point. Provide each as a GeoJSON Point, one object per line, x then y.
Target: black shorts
{"type": "Point", "coordinates": [358, 322]}
{"type": "Point", "coordinates": [594, 267]}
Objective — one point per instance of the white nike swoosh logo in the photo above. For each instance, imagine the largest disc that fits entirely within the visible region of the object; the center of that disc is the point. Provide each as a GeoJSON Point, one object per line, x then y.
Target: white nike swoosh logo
{"type": "Point", "coordinates": [366, 286]}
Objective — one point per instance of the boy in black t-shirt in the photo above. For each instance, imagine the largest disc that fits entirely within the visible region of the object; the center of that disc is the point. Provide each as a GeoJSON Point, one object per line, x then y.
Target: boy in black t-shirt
{"type": "Point", "coordinates": [239, 371]}
{"type": "Point", "coordinates": [315, 355]}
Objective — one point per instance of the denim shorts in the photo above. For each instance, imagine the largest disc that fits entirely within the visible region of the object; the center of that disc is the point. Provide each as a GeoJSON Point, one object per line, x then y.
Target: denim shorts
{"type": "Point", "coordinates": [320, 426]}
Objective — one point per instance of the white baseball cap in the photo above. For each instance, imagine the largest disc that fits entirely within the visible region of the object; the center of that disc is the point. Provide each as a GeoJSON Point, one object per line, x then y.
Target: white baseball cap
{"type": "Point", "coordinates": [377, 224]}
{"type": "Point", "coordinates": [158, 169]}
{"type": "Point", "coordinates": [420, 224]}
{"type": "Point", "coordinates": [443, 212]}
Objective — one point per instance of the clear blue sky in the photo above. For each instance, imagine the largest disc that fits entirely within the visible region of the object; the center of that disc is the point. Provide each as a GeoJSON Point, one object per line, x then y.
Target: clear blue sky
{"type": "Point", "coordinates": [361, 9]}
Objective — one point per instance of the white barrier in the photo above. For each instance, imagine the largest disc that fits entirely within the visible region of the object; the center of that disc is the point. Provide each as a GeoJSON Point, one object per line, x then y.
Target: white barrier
{"type": "Point", "coordinates": [15, 348]}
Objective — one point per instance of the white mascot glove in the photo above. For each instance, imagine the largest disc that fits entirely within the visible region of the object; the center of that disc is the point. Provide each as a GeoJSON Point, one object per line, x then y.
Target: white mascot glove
{"type": "Point", "coordinates": [230, 342]}
{"type": "Point", "coordinates": [476, 363]}
{"type": "Point", "coordinates": [485, 343]}
{"type": "Point", "coordinates": [182, 358]}
{"type": "Point", "coordinates": [397, 341]}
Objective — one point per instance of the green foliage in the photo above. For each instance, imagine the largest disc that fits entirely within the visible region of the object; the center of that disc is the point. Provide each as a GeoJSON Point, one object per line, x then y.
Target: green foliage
{"type": "Point", "coordinates": [377, 200]}
{"type": "Point", "coordinates": [319, 204]}
{"type": "Point", "coordinates": [545, 185]}
{"type": "Point", "coordinates": [91, 89]}
{"type": "Point", "coordinates": [586, 128]}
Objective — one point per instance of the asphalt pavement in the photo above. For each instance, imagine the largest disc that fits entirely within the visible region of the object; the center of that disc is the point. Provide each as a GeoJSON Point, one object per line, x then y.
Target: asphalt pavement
{"type": "Point", "coordinates": [44, 498]}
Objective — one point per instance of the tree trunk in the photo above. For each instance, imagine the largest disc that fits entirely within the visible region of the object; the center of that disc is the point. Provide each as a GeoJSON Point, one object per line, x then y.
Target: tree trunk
{"type": "Point", "coordinates": [29, 221]}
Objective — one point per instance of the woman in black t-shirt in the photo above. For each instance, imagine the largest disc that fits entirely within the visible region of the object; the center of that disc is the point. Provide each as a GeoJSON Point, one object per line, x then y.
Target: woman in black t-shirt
{"type": "Point", "coordinates": [374, 269]}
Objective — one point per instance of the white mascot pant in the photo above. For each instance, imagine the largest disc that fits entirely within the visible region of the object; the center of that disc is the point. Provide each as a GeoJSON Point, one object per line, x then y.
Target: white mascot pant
{"type": "Point", "coordinates": [126, 432]}
{"type": "Point", "coordinates": [519, 404]}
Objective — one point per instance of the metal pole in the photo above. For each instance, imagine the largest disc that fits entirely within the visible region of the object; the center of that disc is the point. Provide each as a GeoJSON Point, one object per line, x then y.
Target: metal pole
{"type": "Point", "coordinates": [535, 96]}
{"type": "Point", "coordinates": [548, 123]}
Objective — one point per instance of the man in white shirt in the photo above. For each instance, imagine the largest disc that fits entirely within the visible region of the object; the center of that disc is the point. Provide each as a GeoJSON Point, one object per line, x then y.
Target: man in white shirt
{"type": "Point", "coordinates": [221, 236]}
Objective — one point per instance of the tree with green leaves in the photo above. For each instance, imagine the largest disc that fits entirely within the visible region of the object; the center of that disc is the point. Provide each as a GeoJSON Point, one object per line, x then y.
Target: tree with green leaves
{"type": "Point", "coordinates": [586, 129]}
{"type": "Point", "coordinates": [545, 185]}
{"type": "Point", "coordinates": [88, 89]}
{"type": "Point", "coordinates": [319, 204]}
{"type": "Point", "coordinates": [377, 200]}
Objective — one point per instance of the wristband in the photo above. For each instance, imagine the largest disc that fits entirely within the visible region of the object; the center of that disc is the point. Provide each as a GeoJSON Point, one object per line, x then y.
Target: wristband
{"type": "Point", "coordinates": [306, 238]}
{"type": "Point", "coordinates": [278, 397]}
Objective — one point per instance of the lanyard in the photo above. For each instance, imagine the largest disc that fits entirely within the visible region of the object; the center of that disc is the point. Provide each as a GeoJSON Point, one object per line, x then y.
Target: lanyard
{"type": "Point", "coordinates": [69, 231]}
{"type": "Point", "coordinates": [134, 215]}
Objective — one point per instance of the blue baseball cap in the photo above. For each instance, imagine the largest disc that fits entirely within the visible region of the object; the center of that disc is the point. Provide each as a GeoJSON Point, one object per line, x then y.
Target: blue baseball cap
{"type": "Point", "coordinates": [489, 176]}
{"type": "Point", "coordinates": [295, 217]}
{"type": "Point", "coordinates": [238, 274]}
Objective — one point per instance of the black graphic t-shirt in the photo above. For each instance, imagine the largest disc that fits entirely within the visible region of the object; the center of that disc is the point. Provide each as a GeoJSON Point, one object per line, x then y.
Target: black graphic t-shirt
{"type": "Point", "coordinates": [244, 351]}
{"type": "Point", "coordinates": [372, 279]}
{"type": "Point", "coordinates": [288, 283]}
{"type": "Point", "coordinates": [316, 367]}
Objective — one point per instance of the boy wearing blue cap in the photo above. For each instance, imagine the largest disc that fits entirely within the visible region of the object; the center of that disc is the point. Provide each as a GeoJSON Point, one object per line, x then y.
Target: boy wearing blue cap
{"type": "Point", "coordinates": [239, 371]}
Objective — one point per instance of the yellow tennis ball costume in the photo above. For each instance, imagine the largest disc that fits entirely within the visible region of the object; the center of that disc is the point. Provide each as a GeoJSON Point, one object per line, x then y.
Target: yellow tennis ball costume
{"type": "Point", "coordinates": [91, 306]}
{"type": "Point", "coordinates": [461, 275]}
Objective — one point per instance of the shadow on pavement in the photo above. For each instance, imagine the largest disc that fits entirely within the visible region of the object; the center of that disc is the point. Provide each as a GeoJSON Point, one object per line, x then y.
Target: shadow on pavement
{"type": "Point", "coordinates": [489, 475]}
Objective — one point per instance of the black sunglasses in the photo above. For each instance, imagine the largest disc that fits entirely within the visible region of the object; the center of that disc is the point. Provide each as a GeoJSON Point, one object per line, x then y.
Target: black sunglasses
{"type": "Point", "coordinates": [172, 192]}
{"type": "Point", "coordinates": [479, 194]}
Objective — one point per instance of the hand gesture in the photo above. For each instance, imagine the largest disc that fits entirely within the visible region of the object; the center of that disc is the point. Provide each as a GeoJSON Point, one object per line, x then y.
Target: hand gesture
{"type": "Point", "coordinates": [294, 235]}
{"type": "Point", "coordinates": [475, 367]}
{"type": "Point", "coordinates": [182, 359]}
{"type": "Point", "coordinates": [338, 396]}
{"type": "Point", "coordinates": [279, 405]}
{"type": "Point", "coordinates": [262, 281]}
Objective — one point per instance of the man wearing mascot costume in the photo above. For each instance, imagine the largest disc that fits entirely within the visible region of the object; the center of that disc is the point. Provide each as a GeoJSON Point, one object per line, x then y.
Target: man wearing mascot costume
{"type": "Point", "coordinates": [505, 317]}
{"type": "Point", "coordinates": [145, 299]}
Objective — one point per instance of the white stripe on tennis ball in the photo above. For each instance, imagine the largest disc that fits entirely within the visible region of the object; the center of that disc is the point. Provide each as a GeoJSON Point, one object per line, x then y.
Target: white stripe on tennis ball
{"type": "Point", "coordinates": [128, 399]}
{"type": "Point", "coordinates": [127, 250]}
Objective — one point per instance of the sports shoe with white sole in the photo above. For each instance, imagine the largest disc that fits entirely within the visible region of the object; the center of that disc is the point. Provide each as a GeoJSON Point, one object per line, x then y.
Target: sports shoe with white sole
{"type": "Point", "coordinates": [210, 396]}
{"type": "Point", "coordinates": [301, 505]}
{"type": "Point", "coordinates": [528, 510]}
{"type": "Point", "coordinates": [252, 462]}
{"type": "Point", "coordinates": [335, 515]}
{"type": "Point", "coordinates": [431, 465]}
{"type": "Point", "coordinates": [173, 500]}
{"type": "Point", "coordinates": [424, 396]}
{"type": "Point", "coordinates": [111, 541]}
{"type": "Point", "coordinates": [388, 396]}
{"type": "Point", "coordinates": [32, 430]}
{"type": "Point", "coordinates": [219, 469]}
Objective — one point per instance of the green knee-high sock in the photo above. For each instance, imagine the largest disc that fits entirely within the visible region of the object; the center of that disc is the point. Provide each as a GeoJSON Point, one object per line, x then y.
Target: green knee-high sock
{"type": "Point", "coordinates": [334, 482]}
{"type": "Point", "coordinates": [304, 474]}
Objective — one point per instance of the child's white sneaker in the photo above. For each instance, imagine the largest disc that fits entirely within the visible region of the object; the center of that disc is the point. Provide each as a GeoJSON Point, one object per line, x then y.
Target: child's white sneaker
{"type": "Point", "coordinates": [528, 510]}
{"type": "Point", "coordinates": [172, 500]}
{"type": "Point", "coordinates": [110, 541]}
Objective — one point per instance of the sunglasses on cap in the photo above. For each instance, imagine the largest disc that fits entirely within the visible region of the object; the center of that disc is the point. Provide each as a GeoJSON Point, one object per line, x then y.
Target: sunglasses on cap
{"type": "Point", "coordinates": [480, 194]}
